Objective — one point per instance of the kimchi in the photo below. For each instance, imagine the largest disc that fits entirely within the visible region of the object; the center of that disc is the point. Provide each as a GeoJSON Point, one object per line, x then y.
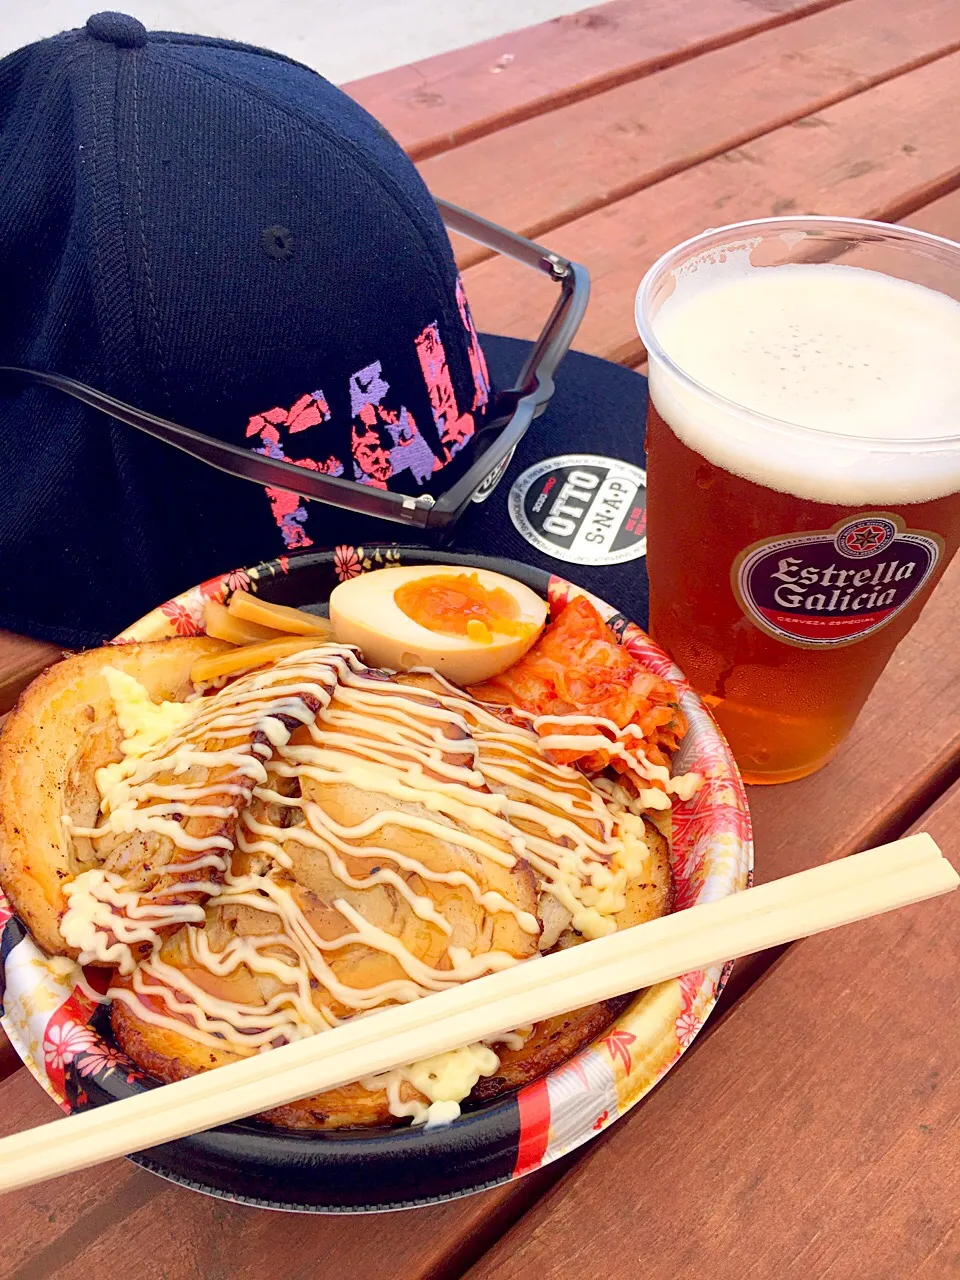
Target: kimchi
{"type": "Point", "coordinates": [591, 702]}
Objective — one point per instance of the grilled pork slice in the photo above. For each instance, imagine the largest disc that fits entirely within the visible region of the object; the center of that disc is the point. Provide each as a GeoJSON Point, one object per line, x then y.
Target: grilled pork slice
{"type": "Point", "coordinates": [63, 729]}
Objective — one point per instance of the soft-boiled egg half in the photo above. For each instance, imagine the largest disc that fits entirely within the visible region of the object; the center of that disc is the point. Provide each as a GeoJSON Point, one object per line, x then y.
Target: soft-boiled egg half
{"type": "Point", "coordinates": [468, 624]}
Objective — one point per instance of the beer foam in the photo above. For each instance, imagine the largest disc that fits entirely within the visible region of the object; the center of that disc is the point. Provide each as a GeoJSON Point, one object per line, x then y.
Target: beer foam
{"type": "Point", "coordinates": [871, 363]}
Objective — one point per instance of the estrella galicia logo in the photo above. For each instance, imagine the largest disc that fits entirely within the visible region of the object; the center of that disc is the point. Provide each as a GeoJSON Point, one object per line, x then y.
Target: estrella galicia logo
{"type": "Point", "coordinates": [834, 586]}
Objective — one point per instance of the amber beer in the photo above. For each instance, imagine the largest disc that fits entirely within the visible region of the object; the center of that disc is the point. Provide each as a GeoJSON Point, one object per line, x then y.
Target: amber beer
{"type": "Point", "coordinates": [803, 469]}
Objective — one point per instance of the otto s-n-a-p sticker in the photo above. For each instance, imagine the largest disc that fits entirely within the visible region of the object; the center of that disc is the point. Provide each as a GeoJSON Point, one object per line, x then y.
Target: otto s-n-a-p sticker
{"type": "Point", "coordinates": [582, 508]}
{"type": "Point", "coordinates": [834, 586]}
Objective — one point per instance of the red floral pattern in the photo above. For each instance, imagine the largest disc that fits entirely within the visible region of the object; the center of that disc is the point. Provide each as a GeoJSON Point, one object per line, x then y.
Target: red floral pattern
{"type": "Point", "coordinates": [617, 1044]}
{"type": "Point", "coordinates": [237, 580]}
{"type": "Point", "coordinates": [102, 1057]}
{"type": "Point", "coordinates": [185, 620]}
{"type": "Point", "coordinates": [214, 588]}
{"type": "Point", "coordinates": [346, 563]}
{"type": "Point", "coordinates": [63, 1041]}
{"type": "Point", "coordinates": [689, 1022]}
{"type": "Point", "coordinates": [221, 587]}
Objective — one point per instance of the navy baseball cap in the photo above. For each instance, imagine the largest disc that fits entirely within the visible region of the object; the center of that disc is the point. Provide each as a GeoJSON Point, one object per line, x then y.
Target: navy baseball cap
{"type": "Point", "coordinates": [215, 234]}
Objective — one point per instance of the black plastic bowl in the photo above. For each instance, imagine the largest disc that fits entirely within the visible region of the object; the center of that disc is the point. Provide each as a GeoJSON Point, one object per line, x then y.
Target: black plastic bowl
{"type": "Point", "coordinates": [349, 1171]}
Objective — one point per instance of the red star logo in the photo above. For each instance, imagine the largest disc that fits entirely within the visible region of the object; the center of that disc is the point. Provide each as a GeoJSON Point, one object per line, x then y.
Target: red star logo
{"type": "Point", "coordinates": [866, 537]}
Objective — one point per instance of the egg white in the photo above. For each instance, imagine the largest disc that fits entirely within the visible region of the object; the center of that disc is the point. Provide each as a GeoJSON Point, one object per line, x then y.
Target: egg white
{"type": "Point", "coordinates": [364, 612]}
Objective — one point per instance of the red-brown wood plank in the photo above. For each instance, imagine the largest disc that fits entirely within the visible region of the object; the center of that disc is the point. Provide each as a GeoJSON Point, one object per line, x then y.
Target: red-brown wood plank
{"type": "Point", "coordinates": [557, 167]}
{"type": "Point", "coordinates": [9, 1061]}
{"type": "Point", "coordinates": [816, 1133]}
{"type": "Point", "coordinates": [441, 102]}
{"type": "Point", "coordinates": [880, 154]}
{"type": "Point", "coordinates": [942, 217]}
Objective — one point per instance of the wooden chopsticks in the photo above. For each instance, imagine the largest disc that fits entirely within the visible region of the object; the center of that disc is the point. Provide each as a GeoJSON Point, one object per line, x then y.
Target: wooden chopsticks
{"type": "Point", "coordinates": [797, 906]}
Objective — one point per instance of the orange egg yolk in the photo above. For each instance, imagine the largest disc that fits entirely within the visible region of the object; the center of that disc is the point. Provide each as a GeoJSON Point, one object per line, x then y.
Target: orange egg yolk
{"type": "Point", "coordinates": [458, 604]}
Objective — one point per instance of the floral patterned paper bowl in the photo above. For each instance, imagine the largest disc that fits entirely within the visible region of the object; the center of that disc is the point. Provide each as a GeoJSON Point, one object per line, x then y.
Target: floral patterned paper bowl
{"type": "Point", "coordinates": [65, 1040]}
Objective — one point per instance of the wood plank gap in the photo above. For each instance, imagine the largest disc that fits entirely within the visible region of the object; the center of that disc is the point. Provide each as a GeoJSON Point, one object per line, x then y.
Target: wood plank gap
{"type": "Point", "coordinates": [64, 1250]}
{"type": "Point", "coordinates": [943, 186]}
{"type": "Point", "coordinates": [524, 1195]}
{"type": "Point", "coordinates": [609, 80]}
{"type": "Point", "coordinates": [9, 1058]}
{"type": "Point", "coordinates": [941, 217]}
{"type": "Point", "coordinates": [909, 204]}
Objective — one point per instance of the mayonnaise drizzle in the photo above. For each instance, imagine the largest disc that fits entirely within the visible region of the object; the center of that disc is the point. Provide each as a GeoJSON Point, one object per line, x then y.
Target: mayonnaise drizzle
{"type": "Point", "coordinates": [440, 765]}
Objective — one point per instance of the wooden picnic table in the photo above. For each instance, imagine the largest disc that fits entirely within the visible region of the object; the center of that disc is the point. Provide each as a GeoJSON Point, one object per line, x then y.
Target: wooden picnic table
{"type": "Point", "coordinates": [813, 1128]}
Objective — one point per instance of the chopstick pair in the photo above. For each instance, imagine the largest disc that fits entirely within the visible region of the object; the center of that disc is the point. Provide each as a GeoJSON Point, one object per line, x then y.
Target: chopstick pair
{"type": "Point", "coordinates": [782, 911]}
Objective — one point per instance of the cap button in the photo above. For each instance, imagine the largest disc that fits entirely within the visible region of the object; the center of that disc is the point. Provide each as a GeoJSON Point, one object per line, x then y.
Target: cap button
{"type": "Point", "coordinates": [117, 28]}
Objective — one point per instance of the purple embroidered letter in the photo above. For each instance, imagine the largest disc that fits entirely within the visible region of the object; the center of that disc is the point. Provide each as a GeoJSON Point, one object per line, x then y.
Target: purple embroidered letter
{"type": "Point", "coordinates": [385, 442]}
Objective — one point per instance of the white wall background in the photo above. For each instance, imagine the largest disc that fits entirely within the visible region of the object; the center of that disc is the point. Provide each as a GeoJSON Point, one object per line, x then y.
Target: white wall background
{"type": "Point", "coordinates": [342, 39]}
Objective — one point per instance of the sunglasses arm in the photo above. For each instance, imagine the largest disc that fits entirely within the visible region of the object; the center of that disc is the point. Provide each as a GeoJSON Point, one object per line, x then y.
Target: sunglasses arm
{"type": "Point", "coordinates": [568, 311]}
{"type": "Point", "coordinates": [244, 464]}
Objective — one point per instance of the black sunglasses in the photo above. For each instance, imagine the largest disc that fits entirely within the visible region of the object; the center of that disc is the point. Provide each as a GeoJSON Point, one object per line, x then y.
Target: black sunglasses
{"type": "Point", "coordinates": [512, 414]}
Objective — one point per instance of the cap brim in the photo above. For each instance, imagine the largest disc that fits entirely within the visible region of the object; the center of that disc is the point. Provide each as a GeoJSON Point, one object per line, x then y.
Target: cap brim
{"type": "Point", "coordinates": [598, 412]}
